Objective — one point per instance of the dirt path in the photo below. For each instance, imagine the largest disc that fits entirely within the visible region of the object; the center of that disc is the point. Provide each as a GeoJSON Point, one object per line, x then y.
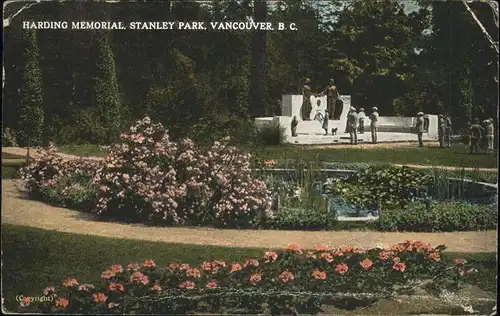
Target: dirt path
{"type": "Point", "coordinates": [21, 211]}
{"type": "Point", "coordinates": [33, 153]}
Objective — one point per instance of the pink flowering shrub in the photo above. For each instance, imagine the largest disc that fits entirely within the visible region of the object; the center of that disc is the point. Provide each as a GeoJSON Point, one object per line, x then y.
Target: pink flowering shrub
{"type": "Point", "coordinates": [66, 182]}
{"type": "Point", "coordinates": [284, 282]}
{"type": "Point", "coordinates": [148, 177]}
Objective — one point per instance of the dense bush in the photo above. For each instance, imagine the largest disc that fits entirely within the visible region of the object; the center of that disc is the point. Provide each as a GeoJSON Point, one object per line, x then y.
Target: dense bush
{"type": "Point", "coordinates": [444, 216]}
{"type": "Point", "coordinates": [147, 177]}
{"type": "Point", "coordinates": [270, 134]}
{"type": "Point", "coordinates": [289, 282]}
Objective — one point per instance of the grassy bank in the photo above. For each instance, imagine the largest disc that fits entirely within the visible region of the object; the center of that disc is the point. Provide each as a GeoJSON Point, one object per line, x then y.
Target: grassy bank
{"type": "Point", "coordinates": [35, 258]}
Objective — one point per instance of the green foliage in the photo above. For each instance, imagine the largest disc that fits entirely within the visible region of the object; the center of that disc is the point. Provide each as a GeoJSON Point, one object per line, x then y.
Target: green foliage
{"type": "Point", "coordinates": [270, 134]}
{"type": "Point", "coordinates": [74, 192]}
{"type": "Point", "coordinates": [436, 217]}
{"type": "Point", "coordinates": [386, 186]}
{"type": "Point", "coordinates": [30, 111]}
{"type": "Point", "coordinates": [8, 138]}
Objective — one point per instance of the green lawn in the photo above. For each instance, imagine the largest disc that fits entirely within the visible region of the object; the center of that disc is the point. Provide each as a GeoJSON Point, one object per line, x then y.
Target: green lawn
{"type": "Point", "coordinates": [11, 167]}
{"type": "Point", "coordinates": [35, 258]}
{"type": "Point", "coordinates": [457, 155]}
{"type": "Point", "coordinates": [12, 156]}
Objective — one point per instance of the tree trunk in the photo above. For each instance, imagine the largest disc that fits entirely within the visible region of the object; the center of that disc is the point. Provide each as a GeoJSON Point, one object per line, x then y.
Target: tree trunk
{"type": "Point", "coordinates": [259, 63]}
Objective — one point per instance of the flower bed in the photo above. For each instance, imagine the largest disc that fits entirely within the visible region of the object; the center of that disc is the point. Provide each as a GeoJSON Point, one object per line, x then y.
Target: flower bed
{"type": "Point", "coordinates": [290, 281]}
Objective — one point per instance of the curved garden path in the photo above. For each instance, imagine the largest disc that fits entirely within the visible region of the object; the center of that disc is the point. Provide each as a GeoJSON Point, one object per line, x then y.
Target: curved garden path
{"type": "Point", "coordinates": [18, 210]}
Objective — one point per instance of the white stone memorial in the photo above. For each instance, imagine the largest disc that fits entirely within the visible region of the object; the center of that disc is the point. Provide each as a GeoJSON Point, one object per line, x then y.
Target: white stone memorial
{"type": "Point", "coordinates": [391, 128]}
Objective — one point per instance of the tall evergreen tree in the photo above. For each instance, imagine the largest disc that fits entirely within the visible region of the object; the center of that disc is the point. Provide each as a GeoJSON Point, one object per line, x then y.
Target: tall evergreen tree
{"type": "Point", "coordinates": [31, 112]}
{"type": "Point", "coordinates": [106, 94]}
{"type": "Point", "coordinates": [259, 62]}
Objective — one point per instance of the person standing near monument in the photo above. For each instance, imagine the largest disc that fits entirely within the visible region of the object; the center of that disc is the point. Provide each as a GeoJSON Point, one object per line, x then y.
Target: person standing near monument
{"type": "Point", "coordinates": [325, 122]}
{"type": "Point", "coordinates": [294, 126]}
{"type": "Point", "coordinates": [420, 128]}
{"type": "Point", "coordinates": [352, 125]}
{"type": "Point", "coordinates": [374, 124]}
{"type": "Point", "coordinates": [306, 100]}
{"type": "Point", "coordinates": [332, 95]}
{"type": "Point", "coordinates": [476, 133]}
{"type": "Point", "coordinates": [441, 130]}
{"type": "Point", "coordinates": [447, 132]}
{"type": "Point", "coordinates": [490, 132]}
{"type": "Point", "coordinates": [361, 118]}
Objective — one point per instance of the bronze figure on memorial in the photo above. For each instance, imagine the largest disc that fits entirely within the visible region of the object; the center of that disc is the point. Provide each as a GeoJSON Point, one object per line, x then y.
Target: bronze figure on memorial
{"type": "Point", "coordinates": [332, 95]}
{"type": "Point", "coordinates": [306, 100]}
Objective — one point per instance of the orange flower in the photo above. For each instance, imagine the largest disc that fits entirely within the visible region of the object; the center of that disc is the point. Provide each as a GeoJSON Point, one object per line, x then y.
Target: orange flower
{"type": "Point", "coordinates": [366, 264]}
{"type": "Point", "coordinates": [116, 287]}
{"type": "Point", "coordinates": [294, 247]}
{"type": "Point", "coordinates": [108, 274]}
{"type": "Point", "coordinates": [62, 302]}
{"type": "Point", "coordinates": [184, 266]}
{"type": "Point", "coordinates": [269, 163]}
{"type": "Point", "coordinates": [319, 275]}
{"type": "Point", "coordinates": [211, 285]}
{"type": "Point", "coordinates": [385, 255]}
{"type": "Point", "coordinates": [341, 268]}
{"type": "Point", "coordinates": [206, 266]}
{"type": "Point", "coordinates": [255, 278]}
{"type": "Point", "coordinates": [70, 282]}
{"type": "Point", "coordinates": [346, 249]}
{"type": "Point", "coordinates": [399, 266]}
{"type": "Point", "coordinates": [338, 253]}
{"type": "Point", "coordinates": [133, 267]}
{"type": "Point", "coordinates": [48, 290]}
{"type": "Point", "coordinates": [99, 297]}
{"type": "Point", "coordinates": [156, 288]}
{"type": "Point", "coordinates": [321, 248]}
{"type": "Point", "coordinates": [286, 276]}
{"type": "Point", "coordinates": [459, 261]}
{"type": "Point", "coordinates": [187, 285]}
{"type": "Point", "coordinates": [173, 266]}
{"type": "Point", "coordinates": [434, 256]}
{"type": "Point", "coordinates": [271, 256]}
{"type": "Point", "coordinates": [139, 278]}
{"type": "Point", "coordinates": [327, 256]}
{"type": "Point", "coordinates": [235, 267]}
{"type": "Point", "coordinates": [116, 268]}
{"type": "Point", "coordinates": [251, 263]}
{"type": "Point", "coordinates": [195, 273]}
{"type": "Point", "coordinates": [149, 264]}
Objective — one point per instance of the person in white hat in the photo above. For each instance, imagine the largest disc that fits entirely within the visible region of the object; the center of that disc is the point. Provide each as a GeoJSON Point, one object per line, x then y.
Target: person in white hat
{"type": "Point", "coordinates": [420, 128]}
{"type": "Point", "coordinates": [361, 120]}
{"type": "Point", "coordinates": [352, 125]}
{"type": "Point", "coordinates": [374, 124]}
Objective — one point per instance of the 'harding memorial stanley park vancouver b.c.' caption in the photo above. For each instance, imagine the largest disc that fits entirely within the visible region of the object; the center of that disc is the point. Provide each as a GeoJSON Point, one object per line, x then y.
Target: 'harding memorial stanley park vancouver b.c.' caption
{"type": "Point", "coordinates": [250, 157]}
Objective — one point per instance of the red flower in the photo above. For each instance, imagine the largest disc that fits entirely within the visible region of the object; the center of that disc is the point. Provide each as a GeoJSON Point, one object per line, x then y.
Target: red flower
{"type": "Point", "coordinates": [99, 298]}
{"type": "Point", "coordinates": [459, 261]}
{"type": "Point", "coordinates": [108, 274]}
{"type": "Point", "coordinates": [321, 248]}
{"type": "Point", "coordinates": [366, 264]}
{"type": "Point", "coordinates": [116, 268]}
{"type": "Point", "coordinates": [251, 263]}
{"type": "Point", "coordinates": [271, 256]}
{"type": "Point", "coordinates": [187, 285]}
{"type": "Point", "coordinates": [327, 256]}
{"type": "Point", "coordinates": [399, 266]}
{"type": "Point", "coordinates": [319, 275]}
{"type": "Point", "coordinates": [385, 254]}
{"type": "Point", "coordinates": [434, 256]}
{"type": "Point", "coordinates": [211, 285]}
{"type": "Point", "coordinates": [149, 263]}
{"type": "Point", "coordinates": [294, 247]}
{"type": "Point", "coordinates": [286, 276]}
{"type": "Point", "coordinates": [116, 287]}
{"type": "Point", "coordinates": [235, 267]}
{"type": "Point", "coordinates": [341, 268]}
{"type": "Point", "coordinates": [255, 278]}
{"type": "Point", "coordinates": [156, 288]}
